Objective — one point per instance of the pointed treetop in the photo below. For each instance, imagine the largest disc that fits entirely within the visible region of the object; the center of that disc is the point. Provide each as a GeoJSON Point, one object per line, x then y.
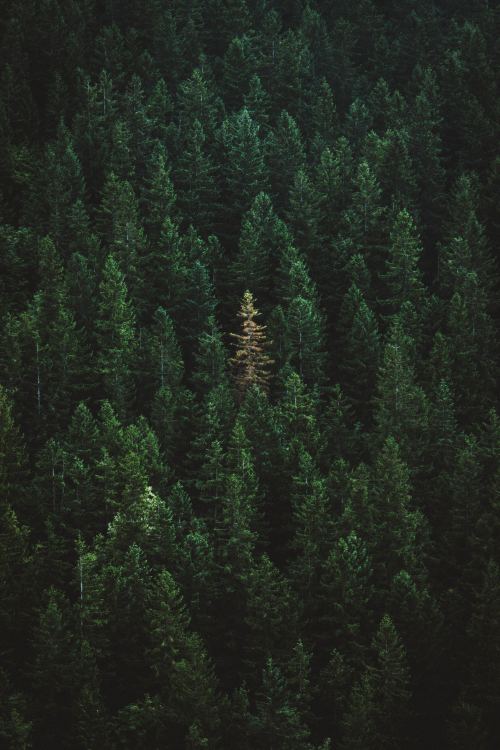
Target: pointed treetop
{"type": "Point", "coordinates": [251, 363]}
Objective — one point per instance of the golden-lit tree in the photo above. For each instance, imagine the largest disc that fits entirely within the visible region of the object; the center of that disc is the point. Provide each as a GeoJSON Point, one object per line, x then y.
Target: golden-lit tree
{"type": "Point", "coordinates": [251, 363]}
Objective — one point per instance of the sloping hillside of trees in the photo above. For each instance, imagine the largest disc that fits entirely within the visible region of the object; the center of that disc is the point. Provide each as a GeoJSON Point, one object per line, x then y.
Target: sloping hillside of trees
{"type": "Point", "coordinates": [249, 367]}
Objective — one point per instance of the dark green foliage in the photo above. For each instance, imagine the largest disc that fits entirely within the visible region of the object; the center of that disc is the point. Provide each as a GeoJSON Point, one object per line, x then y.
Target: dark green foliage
{"type": "Point", "coordinates": [285, 155]}
{"type": "Point", "coordinates": [116, 336]}
{"type": "Point", "coordinates": [284, 538]}
{"type": "Point", "coordinates": [243, 166]}
{"type": "Point", "coordinates": [358, 354]}
{"type": "Point", "coordinates": [196, 180]}
{"type": "Point", "coordinates": [402, 276]}
{"type": "Point", "coordinates": [262, 238]}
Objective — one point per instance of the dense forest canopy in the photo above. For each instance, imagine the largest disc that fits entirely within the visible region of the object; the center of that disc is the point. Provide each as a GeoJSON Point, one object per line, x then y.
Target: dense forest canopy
{"type": "Point", "coordinates": [249, 365]}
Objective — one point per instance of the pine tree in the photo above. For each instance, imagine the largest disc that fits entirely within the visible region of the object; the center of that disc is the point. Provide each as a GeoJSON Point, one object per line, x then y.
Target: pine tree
{"type": "Point", "coordinates": [15, 727]}
{"type": "Point", "coordinates": [115, 336]}
{"type": "Point", "coordinates": [303, 217]}
{"type": "Point", "coordinates": [262, 234]}
{"type": "Point", "coordinates": [334, 176]}
{"type": "Point", "coordinates": [298, 415]}
{"type": "Point", "coordinates": [285, 156]}
{"type": "Point", "coordinates": [305, 340]}
{"type": "Point", "coordinates": [50, 345]}
{"type": "Point", "coordinates": [197, 101]}
{"type": "Point", "coordinates": [121, 229]}
{"type": "Point", "coordinates": [312, 527]}
{"type": "Point", "coordinates": [195, 179]}
{"type": "Point", "coordinates": [138, 124]}
{"type": "Point", "coordinates": [391, 159]}
{"type": "Point", "coordinates": [358, 123]}
{"type": "Point", "coordinates": [53, 686]}
{"type": "Point", "coordinates": [391, 681]}
{"type": "Point", "coordinates": [158, 197]}
{"type": "Point", "coordinates": [120, 161]}
{"type": "Point", "coordinates": [485, 648]}
{"type": "Point", "coordinates": [17, 588]}
{"type": "Point", "coordinates": [298, 322]}
{"type": "Point", "coordinates": [378, 712]}
{"type": "Point", "coordinates": [402, 276]}
{"type": "Point", "coordinates": [279, 722]}
{"type": "Point", "coordinates": [164, 367]}
{"type": "Point", "coordinates": [270, 617]}
{"type": "Point", "coordinates": [250, 362]}
{"type": "Point", "coordinates": [427, 148]}
{"type": "Point", "coordinates": [291, 73]}
{"type": "Point", "coordinates": [400, 405]}
{"type": "Point", "coordinates": [210, 359]}
{"type": "Point", "coordinates": [244, 170]}
{"type": "Point", "coordinates": [363, 221]}
{"type": "Point", "coordinates": [324, 117]}
{"type": "Point", "coordinates": [258, 103]}
{"type": "Point", "coordinates": [464, 225]}
{"type": "Point", "coordinates": [91, 718]}
{"type": "Point", "coordinates": [239, 66]}
{"type": "Point", "coordinates": [344, 597]}
{"type": "Point", "coordinates": [12, 458]}
{"type": "Point", "coordinates": [399, 527]}
{"type": "Point", "coordinates": [60, 185]}
{"type": "Point", "coordinates": [358, 355]}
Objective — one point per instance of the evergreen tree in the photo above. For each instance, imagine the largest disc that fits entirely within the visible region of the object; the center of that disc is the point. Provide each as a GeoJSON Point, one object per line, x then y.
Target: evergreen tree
{"type": "Point", "coordinates": [211, 358]}
{"type": "Point", "coordinates": [158, 196]}
{"type": "Point", "coordinates": [358, 355]}
{"type": "Point", "coordinates": [59, 186]}
{"type": "Point", "coordinates": [400, 406]}
{"type": "Point", "coordinates": [244, 170]}
{"type": "Point", "coordinates": [115, 336]}
{"type": "Point", "coordinates": [403, 278]}
{"type": "Point", "coordinates": [239, 66]}
{"type": "Point", "coordinates": [262, 234]}
{"type": "Point", "coordinates": [279, 722]}
{"type": "Point", "coordinates": [15, 728]}
{"type": "Point", "coordinates": [250, 361]}
{"type": "Point", "coordinates": [363, 221]}
{"type": "Point", "coordinates": [197, 101]}
{"type": "Point", "coordinates": [12, 457]}
{"type": "Point", "coordinates": [285, 156]}
{"type": "Point", "coordinates": [378, 710]}
{"type": "Point", "coordinates": [258, 103]}
{"type": "Point", "coordinates": [344, 597]}
{"type": "Point", "coordinates": [427, 147]}
{"type": "Point", "coordinates": [391, 681]}
{"type": "Point", "coordinates": [271, 615]}
{"type": "Point", "coordinates": [303, 217]}
{"type": "Point", "coordinates": [52, 681]}
{"type": "Point", "coordinates": [195, 180]}
{"type": "Point", "coordinates": [121, 229]}
{"type": "Point", "coordinates": [50, 358]}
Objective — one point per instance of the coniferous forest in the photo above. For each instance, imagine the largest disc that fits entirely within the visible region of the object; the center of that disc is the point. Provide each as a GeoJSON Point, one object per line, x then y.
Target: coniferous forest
{"type": "Point", "coordinates": [249, 360]}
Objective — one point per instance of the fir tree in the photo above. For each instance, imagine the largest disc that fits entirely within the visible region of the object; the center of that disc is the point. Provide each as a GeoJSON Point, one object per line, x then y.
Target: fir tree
{"type": "Point", "coordinates": [195, 180]}
{"type": "Point", "coordinates": [244, 169]}
{"type": "Point", "coordinates": [402, 275]}
{"type": "Point", "coordinates": [250, 362]}
{"type": "Point", "coordinates": [115, 336]}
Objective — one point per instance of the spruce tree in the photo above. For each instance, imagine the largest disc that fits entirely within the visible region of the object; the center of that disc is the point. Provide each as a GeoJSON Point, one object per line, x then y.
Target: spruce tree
{"type": "Point", "coordinates": [285, 156]}
{"type": "Point", "coordinates": [251, 363]}
{"type": "Point", "coordinates": [262, 234]}
{"type": "Point", "coordinates": [244, 170]}
{"type": "Point", "coordinates": [196, 180]}
{"type": "Point", "coordinates": [115, 333]}
{"type": "Point", "coordinates": [402, 276]}
{"type": "Point", "coordinates": [358, 355]}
